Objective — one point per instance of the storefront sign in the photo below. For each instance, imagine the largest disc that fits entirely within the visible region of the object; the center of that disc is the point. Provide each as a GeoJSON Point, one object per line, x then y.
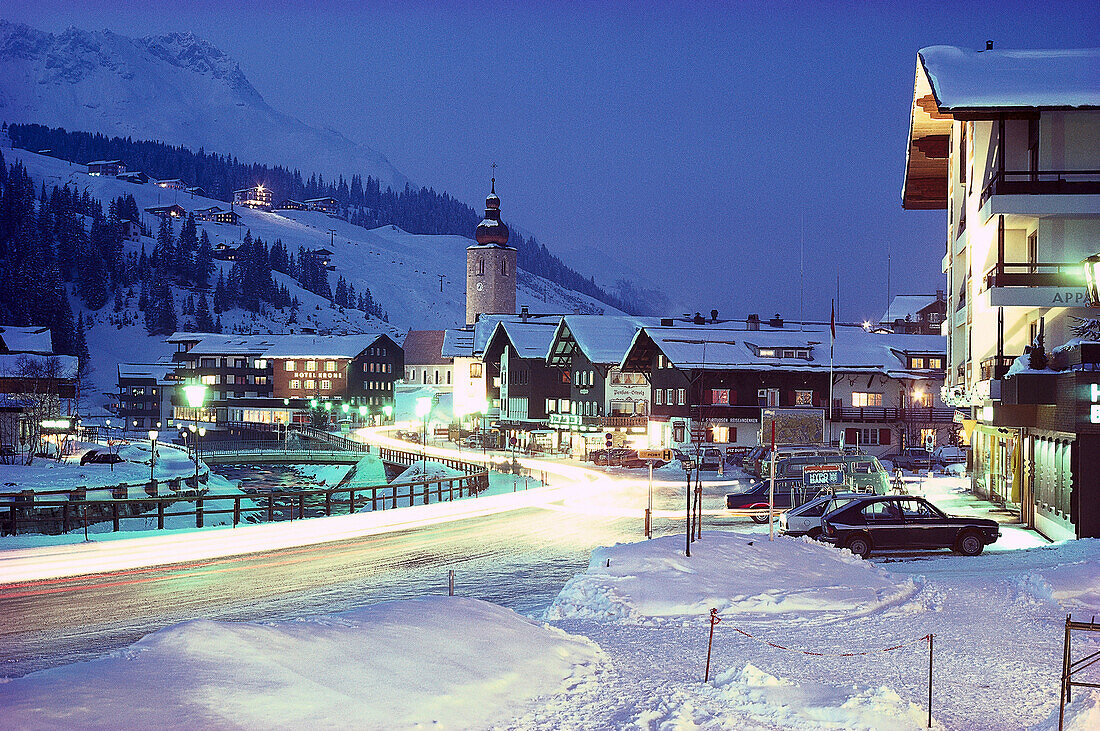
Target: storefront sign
{"type": "Point", "coordinates": [1094, 398]}
{"type": "Point", "coordinates": [822, 475]}
{"type": "Point", "coordinates": [564, 420]}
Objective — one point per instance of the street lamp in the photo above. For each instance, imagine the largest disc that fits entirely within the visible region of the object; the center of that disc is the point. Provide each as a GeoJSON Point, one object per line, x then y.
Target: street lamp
{"type": "Point", "coordinates": [423, 406]}
{"type": "Point", "coordinates": [153, 434]}
{"type": "Point", "coordinates": [387, 410]}
{"type": "Point", "coordinates": [1092, 279]}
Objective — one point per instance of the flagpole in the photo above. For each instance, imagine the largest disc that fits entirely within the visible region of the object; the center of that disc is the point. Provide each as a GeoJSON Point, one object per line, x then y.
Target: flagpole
{"type": "Point", "coordinates": [832, 339]}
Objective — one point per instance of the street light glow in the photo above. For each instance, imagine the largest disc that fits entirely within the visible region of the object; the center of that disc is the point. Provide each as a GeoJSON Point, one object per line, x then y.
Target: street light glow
{"type": "Point", "coordinates": [423, 406]}
{"type": "Point", "coordinates": [195, 393]}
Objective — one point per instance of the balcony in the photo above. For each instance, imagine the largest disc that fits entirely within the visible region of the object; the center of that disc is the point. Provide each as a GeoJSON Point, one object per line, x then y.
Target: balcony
{"type": "Point", "coordinates": [994, 369]}
{"type": "Point", "coordinates": [1035, 284]}
{"type": "Point", "coordinates": [1041, 192]}
{"type": "Point", "coordinates": [622, 422]}
{"type": "Point", "coordinates": [923, 415]}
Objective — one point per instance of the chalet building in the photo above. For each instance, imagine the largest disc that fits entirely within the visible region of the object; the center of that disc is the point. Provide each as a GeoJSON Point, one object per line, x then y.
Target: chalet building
{"type": "Point", "coordinates": [172, 184]}
{"type": "Point", "coordinates": [529, 392]}
{"type": "Point", "coordinates": [330, 206]}
{"type": "Point", "coordinates": [292, 205]}
{"type": "Point", "coordinates": [131, 230]}
{"type": "Point", "coordinates": [145, 394]}
{"type": "Point", "coordinates": [603, 399]}
{"type": "Point", "coordinates": [916, 314]}
{"type": "Point", "coordinates": [225, 252]}
{"type": "Point", "coordinates": [1005, 142]}
{"type": "Point", "coordinates": [197, 191]}
{"type": "Point", "coordinates": [216, 214]}
{"type": "Point", "coordinates": [266, 379]}
{"type": "Point", "coordinates": [172, 211]}
{"type": "Point", "coordinates": [712, 383]}
{"type": "Point", "coordinates": [106, 167]}
{"type": "Point", "coordinates": [424, 361]}
{"type": "Point", "coordinates": [137, 177]}
{"type": "Point", "coordinates": [322, 257]}
{"type": "Point", "coordinates": [258, 197]}
{"type": "Point", "coordinates": [35, 384]}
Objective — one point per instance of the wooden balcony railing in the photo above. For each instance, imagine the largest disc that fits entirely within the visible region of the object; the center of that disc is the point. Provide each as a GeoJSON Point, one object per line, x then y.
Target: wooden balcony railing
{"type": "Point", "coordinates": [995, 368]}
{"type": "Point", "coordinates": [925, 414]}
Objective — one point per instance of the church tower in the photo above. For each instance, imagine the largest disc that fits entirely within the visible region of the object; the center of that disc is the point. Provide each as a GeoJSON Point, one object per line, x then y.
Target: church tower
{"type": "Point", "coordinates": [490, 266]}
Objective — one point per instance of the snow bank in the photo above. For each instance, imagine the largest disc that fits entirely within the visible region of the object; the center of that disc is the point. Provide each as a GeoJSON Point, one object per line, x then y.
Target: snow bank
{"type": "Point", "coordinates": [728, 571]}
{"type": "Point", "coordinates": [752, 694]}
{"type": "Point", "coordinates": [1074, 584]}
{"type": "Point", "coordinates": [429, 470]}
{"type": "Point", "coordinates": [438, 660]}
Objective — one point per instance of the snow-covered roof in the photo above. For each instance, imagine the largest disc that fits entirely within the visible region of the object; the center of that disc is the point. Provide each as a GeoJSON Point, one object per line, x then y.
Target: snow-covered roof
{"type": "Point", "coordinates": [732, 349]}
{"type": "Point", "coordinates": [424, 347]}
{"type": "Point", "coordinates": [603, 339]}
{"type": "Point", "coordinates": [105, 162]}
{"type": "Point", "coordinates": [160, 372]}
{"type": "Point", "coordinates": [530, 339]}
{"type": "Point", "coordinates": [33, 339]}
{"type": "Point", "coordinates": [17, 365]}
{"type": "Point", "coordinates": [906, 305]}
{"type": "Point", "coordinates": [964, 79]}
{"type": "Point", "coordinates": [320, 346]}
{"type": "Point", "coordinates": [458, 342]}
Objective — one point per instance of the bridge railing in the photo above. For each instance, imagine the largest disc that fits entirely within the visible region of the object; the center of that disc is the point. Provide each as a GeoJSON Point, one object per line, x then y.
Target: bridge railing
{"type": "Point", "coordinates": [54, 515]}
{"type": "Point", "coordinates": [409, 458]}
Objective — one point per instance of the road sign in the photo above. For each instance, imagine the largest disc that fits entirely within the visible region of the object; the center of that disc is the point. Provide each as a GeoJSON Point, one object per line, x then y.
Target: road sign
{"type": "Point", "coordinates": [930, 443]}
{"type": "Point", "coordinates": [822, 475]}
{"type": "Point", "coordinates": [609, 438]}
{"type": "Point", "coordinates": [513, 441]}
{"type": "Point", "coordinates": [663, 455]}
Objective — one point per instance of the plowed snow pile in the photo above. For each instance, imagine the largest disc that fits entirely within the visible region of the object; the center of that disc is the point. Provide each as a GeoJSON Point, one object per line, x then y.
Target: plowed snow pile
{"type": "Point", "coordinates": [452, 662]}
{"type": "Point", "coordinates": [727, 571]}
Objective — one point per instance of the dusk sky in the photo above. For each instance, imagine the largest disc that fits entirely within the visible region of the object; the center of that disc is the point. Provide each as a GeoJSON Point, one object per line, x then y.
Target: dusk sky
{"type": "Point", "coordinates": [679, 145]}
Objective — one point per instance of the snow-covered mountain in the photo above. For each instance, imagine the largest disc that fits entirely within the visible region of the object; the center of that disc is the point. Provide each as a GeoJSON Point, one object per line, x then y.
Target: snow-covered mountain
{"type": "Point", "coordinates": [401, 270]}
{"type": "Point", "coordinates": [175, 88]}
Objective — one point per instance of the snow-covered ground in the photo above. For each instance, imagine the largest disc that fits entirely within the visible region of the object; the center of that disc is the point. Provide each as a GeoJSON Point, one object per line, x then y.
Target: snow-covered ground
{"type": "Point", "coordinates": [68, 473]}
{"type": "Point", "coordinates": [435, 662]}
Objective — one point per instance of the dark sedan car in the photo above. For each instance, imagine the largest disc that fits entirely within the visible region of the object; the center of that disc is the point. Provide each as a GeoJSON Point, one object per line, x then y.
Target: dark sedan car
{"type": "Point", "coordinates": [876, 523]}
{"type": "Point", "coordinates": [753, 495]}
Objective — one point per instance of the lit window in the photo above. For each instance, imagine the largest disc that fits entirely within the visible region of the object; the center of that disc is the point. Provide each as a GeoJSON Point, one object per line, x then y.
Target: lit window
{"type": "Point", "coordinates": [330, 366]}
{"type": "Point", "coordinates": [288, 365]}
{"type": "Point", "coordinates": [209, 380]}
{"type": "Point", "coordinates": [311, 365]}
{"type": "Point", "coordinates": [767, 353]}
{"type": "Point", "coordinates": [295, 384]}
{"type": "Point", "coordinates": [861, 399]}
{"type": "Point", "coordinates": [803, 398]}
{"type": "Point", "coordinates": [720, 396]}
{"type": "Point", "coordinates": [916, 362]}
{"type": "Point", "coordinates": [935, 363]}
{"type": "Point", "coordinates": [310, 385]}
{"type": "Point", "coordinates": [475, 370]}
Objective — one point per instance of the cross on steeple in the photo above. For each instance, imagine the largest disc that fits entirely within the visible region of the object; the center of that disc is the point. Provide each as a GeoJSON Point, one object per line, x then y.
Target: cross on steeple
{"type": "Point", "coordinates": [493, 187]}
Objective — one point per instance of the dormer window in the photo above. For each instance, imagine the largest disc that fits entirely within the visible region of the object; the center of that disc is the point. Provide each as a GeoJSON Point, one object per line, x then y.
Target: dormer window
{"type": "Point", "coordinates": [801, 353]}
{"type": "Point", "coordinates": [767, 352]}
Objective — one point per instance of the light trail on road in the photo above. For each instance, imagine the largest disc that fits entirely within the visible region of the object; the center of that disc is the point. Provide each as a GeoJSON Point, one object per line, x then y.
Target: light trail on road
{"type": "Point", "coordinates": [519, 557]}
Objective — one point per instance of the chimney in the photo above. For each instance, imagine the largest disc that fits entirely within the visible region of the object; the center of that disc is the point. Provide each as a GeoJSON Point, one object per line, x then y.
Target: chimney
{"type": "Point", "coordinates": [776, 321]}
{"type": "Point", "coordinates": [699, 319]}
{"type": "Point", "coordinates": [752, 322]}
{"type": "Point", "coordinates": [989, 45]}
{"type": "Point", "coordinates": [667, 322]}
{"type": "Point", "coordinates": [941, 296]}
{"type": "Point", "coordinates": [714, 315]}
{"type": "Point", "coordinates": [524, 313]}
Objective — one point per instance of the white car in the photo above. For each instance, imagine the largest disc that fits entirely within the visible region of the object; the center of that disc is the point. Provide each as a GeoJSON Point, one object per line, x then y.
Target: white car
{"type": "Point", "coordinates": [944, 456]}
{"type": "Point", "coordinates": [805, 520]}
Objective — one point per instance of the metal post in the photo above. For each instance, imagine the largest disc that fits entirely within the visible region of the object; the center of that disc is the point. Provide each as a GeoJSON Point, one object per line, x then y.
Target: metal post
{"type": "Point", "coordinates": [649, 507]}
{"type": "Point", "coordinates": [771, 490]}
{"type": "Point", "coordinates": [451, 582]}
{"type": "Point", "coordinates": [931, 637]}
{"type": "Point", "coordinates": [1063, 695]}
{"type": "Point", "coordinates": [86, 521]}
{"type": "Point", "coordinates": [687, 520]}
{"type": "Point", "coordinates": [699, 513]}
{"type": "Point", "coordinates": [710, 642]}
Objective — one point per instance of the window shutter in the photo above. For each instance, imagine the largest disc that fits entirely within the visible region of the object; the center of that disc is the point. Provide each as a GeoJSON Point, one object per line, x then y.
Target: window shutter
{"type": "Point", "coordinates": [884, 436]}
{"type": "Point", "coordinates": [851, 436]}
{"type": "Point", "coordinates": [733, 402]}
{"type": "Point", "coordinates": [733, 429]}
{"type": "Point", "coordinates": [790, 399]}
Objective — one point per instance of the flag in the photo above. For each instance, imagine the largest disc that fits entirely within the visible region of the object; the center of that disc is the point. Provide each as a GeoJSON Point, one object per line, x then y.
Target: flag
{"type": "Point", "coordinates": [832, 319]}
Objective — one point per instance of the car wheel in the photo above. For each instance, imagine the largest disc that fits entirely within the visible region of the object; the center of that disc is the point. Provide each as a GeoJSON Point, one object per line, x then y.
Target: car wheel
{"type": "Point", "coordinates": [760, 519]}
{"type": "Point", "coordinates": [859, 545]}
{"type": "Point", "coordinates": [969, 544]}
{"type": "Point", "coordinates": [814, 533]}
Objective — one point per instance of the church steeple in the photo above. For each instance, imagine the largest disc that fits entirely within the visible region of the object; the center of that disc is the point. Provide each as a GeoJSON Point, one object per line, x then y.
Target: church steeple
{"type": "Point", "coordinates": [492, 231]}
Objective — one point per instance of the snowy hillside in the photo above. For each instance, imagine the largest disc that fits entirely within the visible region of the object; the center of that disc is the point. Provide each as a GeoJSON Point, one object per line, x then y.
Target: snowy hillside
{"type": "Point", "coordinates": [147, 87]}
{"type": "Point", "coordinates": [401, 270]}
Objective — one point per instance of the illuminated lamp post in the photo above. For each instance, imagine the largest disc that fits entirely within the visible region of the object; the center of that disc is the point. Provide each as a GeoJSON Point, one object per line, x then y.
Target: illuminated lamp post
{"type": "Point", "coordinates": [363, 413]}
{"type": "Point", "coordinates": [328, 415]}
{"type": "Point", "coordinates": [388, 411]}
{"type": "Point", "coordinates": [153, 434]}
{"type": "Point", "coordinates": [423, 407]}
{"type": "Point", "coordinates": [1092, 279]}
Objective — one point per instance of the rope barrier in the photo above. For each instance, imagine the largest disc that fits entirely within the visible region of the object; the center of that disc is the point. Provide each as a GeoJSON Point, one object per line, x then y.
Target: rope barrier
{"type": "Point", "coordinates": [830, 654]}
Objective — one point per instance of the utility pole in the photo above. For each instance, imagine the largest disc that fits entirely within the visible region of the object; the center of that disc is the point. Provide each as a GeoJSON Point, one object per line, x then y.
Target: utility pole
{"type": "Point", "coordinates": [441, 277]}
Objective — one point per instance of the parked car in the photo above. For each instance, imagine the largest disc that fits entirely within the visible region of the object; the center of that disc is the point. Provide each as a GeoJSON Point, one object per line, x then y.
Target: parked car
{"type": "Point", "coordinates": [97, 457]}
{"type": "Point", "coordinates": [764, 460]}
{"type": "Point", "coordinates": [805, 520]}
{"type": "Point", "coordinates": [912, 458]}
{"type": "Point", "coordinates": [754, 496]}
{"type": "Point", "coordinates": [944, 456]}
{"type": "Point", "coordinates": [750, 463]}
{"type": "Point", "coordinates": [862, 473]}
{"type": "Point", "coordinates": [875, 523]}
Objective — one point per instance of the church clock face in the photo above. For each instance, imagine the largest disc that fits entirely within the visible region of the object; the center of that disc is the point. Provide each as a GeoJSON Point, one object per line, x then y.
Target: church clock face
{"type": "Point", "coordinates": [480, 286]}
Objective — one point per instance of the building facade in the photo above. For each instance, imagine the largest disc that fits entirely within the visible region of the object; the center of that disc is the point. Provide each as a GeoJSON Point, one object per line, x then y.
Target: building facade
{"type": "Point", "coordinates": [1005, 142]}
